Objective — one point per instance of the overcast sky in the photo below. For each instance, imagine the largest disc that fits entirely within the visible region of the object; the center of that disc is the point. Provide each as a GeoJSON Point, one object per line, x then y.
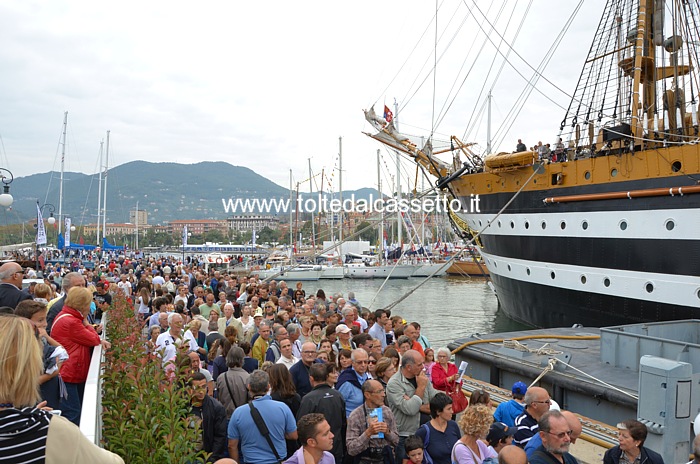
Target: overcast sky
{"type": "Point", "coordinates": [269, 84]}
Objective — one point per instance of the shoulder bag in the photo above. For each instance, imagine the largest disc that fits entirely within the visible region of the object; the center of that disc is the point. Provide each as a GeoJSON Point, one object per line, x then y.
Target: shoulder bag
{"type": "Point", "coordinates": [262, 428]}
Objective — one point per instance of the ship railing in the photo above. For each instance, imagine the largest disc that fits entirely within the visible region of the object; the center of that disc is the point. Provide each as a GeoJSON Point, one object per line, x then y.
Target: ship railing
{"type": "Point", "coordinates": [91, 414]}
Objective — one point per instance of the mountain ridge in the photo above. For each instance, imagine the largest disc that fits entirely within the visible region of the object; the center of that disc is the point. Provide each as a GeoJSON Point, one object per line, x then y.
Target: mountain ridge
{"type": "Point", "coordinates": [166, 190]}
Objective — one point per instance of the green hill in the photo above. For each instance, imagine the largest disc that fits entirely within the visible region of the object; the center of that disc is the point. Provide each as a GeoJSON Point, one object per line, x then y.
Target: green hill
{"type": "Point", "coordinates": [167, 191]}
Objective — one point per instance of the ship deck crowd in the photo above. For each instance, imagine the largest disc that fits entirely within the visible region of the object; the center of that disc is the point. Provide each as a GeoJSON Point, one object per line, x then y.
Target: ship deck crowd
{"type": "Point", "coordinates": [275, 373]}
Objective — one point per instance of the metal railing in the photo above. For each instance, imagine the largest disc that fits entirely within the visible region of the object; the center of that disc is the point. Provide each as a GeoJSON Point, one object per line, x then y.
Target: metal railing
{"type": "Point", "coordinates": [91, 414]}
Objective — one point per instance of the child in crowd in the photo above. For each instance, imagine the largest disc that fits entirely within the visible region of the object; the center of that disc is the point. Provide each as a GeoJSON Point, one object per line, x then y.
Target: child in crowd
{"type": "Point", "coordinates": [414, 450]}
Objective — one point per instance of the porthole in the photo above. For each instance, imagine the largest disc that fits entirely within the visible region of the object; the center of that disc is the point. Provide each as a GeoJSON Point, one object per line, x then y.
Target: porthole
{"type": "Point", "coordinates": [649, 287]}
{"type": "Point", "coordinates": [613, 173]}
{"type": "Point", "coordinates": [587, 175]}
{"type": "Point", "coordinates": [623, 225]}
{"type": "Point", "coordinates": [499, 223]}
{"type": "Point", "coordinates": [495, 264]}
{"type": "Point", "coordinates": [584, 225]}
{"type": "Point", "coordinates": [670, 224]}
{"type": "Point", "coordinates": [583, 279]}
{"type": "Point", "coordinates": [527, 225]}
{"type": "Point", "coordinates": [528, 273]}
{"type": "Point", "coordinates": [517, 182]}
{"type": "Point", "coordinates": [676, 166]}
{"type": "Point", "coordinates": [509, 269]}
{"type": "Point", "coordinates": [512, 225]}
{"type": "Point", "coordinates": [606, 281]}
{"type": "Point", "coordinates": [544, 225]}
{"type": "Point", "coordinates": [698, 294]}
{"type": "Point", "coordinates": [552, 275]}
{"type": "Point", "coordinates": [562, 224]}
{"type": "Point", "coordinates": [479, 222]}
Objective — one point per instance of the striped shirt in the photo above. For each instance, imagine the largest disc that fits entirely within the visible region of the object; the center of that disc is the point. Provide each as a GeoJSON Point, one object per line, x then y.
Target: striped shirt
{"type": "Point", "coordinates": [526, 426]}
{"type": "Point", "coordinates": [23, 435]}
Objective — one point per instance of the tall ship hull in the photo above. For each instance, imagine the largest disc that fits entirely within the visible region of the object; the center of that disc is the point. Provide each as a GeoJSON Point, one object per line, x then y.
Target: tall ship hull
{"type": "Point", "coordinates": [599, 252]}
{"type": "Point", "coordinates": [602, 226]}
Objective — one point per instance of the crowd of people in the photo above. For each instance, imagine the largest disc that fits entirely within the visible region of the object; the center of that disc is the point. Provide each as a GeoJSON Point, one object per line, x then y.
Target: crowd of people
{"type": "Point", "coordinates": [275, 374]}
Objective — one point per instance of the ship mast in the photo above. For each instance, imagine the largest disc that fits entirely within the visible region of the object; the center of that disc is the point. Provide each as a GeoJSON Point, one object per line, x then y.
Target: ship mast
{"type": "Point", "coordinates": [104, 204]}
{"type": "Point", "coordinates": [99, 199]}
{"type": "Point", "coordinates": [63, 162]}
{"type": "Point", "coordinates": [643, 63]}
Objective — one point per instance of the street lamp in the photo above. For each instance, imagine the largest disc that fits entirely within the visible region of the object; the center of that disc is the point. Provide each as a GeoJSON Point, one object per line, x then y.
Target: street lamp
{"type": "Point", "coordinates": [6, 199]}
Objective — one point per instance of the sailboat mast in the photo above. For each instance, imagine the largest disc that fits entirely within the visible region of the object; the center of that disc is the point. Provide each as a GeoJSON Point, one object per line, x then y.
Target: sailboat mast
{"type": "Point", "coordinates": [399, 219]}
{"type": "Point", "coordinates": [313, 228]}
{"type": "Point", "coordinates": [291, 208]}
{"type": "Point", "coordinates": [99, 197]}
{"type": "Point", "coordinates": [63, 162]}
{"type": "Point", "coordinates": [320, 210]}
{"type": "Point", "coordinates": [398, 181]}
{"type": "Point", "coordinates": [136, 241]}
{"type": "Point", "coordinates": [296, 219]}
{"type": "Point", "coordinates": [104, 204]}
{"type": "Point", "coordinates": [340, 188]}
{"type": "Point", "coordinates": [380, 242]}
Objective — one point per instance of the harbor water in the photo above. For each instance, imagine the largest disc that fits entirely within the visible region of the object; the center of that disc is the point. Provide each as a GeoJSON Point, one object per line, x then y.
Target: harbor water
{"type": "Point", "coordinates": [447, 307]}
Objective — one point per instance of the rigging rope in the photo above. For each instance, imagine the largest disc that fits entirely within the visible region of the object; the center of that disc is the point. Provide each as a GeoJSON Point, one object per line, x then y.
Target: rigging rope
{"type": "Point", "coordinates": [470, 242]}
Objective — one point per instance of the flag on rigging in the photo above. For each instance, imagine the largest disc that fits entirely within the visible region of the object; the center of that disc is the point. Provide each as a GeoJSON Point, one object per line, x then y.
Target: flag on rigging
{"type": "Point", "coordinates": [40, 230]}
{"type": "Point", "coordinates": [388, 115]}
{"type": "Point", "coordinates": [184, 236]}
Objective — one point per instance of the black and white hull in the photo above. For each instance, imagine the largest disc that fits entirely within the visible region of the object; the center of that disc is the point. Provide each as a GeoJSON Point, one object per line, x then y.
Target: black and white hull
{"type": "Point", "coordinates": [596, 263]}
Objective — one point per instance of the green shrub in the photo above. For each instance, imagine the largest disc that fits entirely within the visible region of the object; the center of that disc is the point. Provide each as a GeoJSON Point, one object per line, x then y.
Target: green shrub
{"type": "Point", "coordinates": [145, 413]}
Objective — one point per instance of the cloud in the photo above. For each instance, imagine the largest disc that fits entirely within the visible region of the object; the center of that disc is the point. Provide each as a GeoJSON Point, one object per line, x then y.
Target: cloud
{"type": "Point", "coordinates": [265, 85]}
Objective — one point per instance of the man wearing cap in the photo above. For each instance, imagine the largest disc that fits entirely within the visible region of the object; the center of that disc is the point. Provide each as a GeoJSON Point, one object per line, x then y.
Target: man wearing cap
{"type": "Point", "coordinates": [499, 436]}
{"type": "Point", "coordinates": [507, 412]}
{"type": "Point", "coordinates": [537, 403]}
{"type": "Point", "coordinates": [574, 425]}
{"type": "Point", "coordinates": [343, 343]}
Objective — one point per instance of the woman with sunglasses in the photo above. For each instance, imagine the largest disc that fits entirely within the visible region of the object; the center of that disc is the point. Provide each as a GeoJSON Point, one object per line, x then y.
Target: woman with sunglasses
{"type": "Point", "coordinates": [372, 366]}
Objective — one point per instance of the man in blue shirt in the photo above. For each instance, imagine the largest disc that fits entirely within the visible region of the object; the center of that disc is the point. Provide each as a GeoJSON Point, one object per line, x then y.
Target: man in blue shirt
{"type": "Point", "coordinates": [351, 379]}
{"type": "Point", "coordinates": [507, 412]}
{"type": "Point", "coordinates": [275, 414]}
{"type": "Point", "coordinates": [377, 330]}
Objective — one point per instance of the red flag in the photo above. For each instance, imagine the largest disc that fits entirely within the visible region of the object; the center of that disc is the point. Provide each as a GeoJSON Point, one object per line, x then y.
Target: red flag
{"type": "Point", "coordinates": [82, 241]}
{"type": "Point", "coordinates": [388, 115]}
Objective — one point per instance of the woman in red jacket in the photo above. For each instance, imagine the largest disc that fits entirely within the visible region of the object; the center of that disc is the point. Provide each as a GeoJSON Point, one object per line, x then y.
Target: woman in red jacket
{"type": "Point", "coordinates": [444, 373]}
{"type": "Point", "coordinates": [72, 330]}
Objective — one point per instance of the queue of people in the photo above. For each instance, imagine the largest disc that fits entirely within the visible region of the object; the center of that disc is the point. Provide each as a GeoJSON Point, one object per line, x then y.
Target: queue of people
{"type": "Point", "coordinates": [275, 374]}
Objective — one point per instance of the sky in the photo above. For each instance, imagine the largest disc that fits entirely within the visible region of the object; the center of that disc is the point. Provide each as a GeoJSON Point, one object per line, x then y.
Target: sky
{"type": "Point", "coordinates": [271, 84]}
